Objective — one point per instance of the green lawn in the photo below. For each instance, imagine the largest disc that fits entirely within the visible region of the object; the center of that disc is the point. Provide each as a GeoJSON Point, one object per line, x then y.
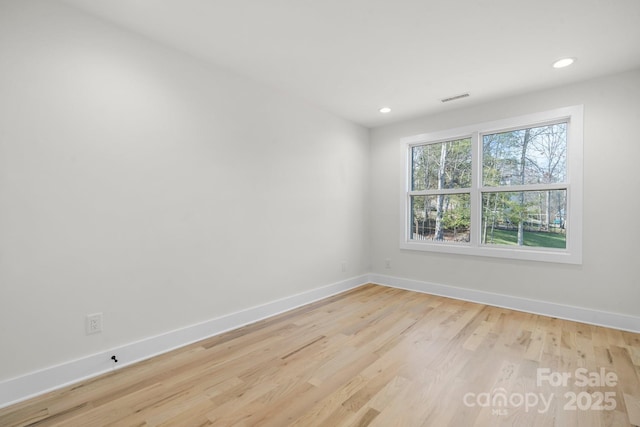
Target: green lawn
{"type": "Point", "coordinates": [531, 238]}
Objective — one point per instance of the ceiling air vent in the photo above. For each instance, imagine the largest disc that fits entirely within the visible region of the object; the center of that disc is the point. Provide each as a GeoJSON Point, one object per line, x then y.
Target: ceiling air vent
{"type": "Point", "coordinates": [453, 98]}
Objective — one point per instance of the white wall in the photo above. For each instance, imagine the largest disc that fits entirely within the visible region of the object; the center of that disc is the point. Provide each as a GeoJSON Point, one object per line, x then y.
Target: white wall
{"type": "Point", "coordinates": [608, 280]}
{"type": "Point", "coordinates": [139, 182]}
{"type": "Point", "coordinates": [161, 191]}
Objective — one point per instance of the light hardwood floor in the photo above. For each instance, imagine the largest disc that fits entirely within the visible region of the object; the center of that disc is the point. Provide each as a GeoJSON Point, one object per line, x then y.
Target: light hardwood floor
{"type": "Point", "coordinates": [372, 356]}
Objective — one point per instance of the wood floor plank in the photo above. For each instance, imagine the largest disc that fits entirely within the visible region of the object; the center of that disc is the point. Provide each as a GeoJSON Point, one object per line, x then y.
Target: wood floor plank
{"type": "Point", "coordinates": [372, 356]}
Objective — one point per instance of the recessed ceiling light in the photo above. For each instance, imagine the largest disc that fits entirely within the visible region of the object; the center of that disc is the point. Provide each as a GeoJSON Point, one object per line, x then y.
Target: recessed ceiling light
{"type": "Point", "coordinates": [564, 62]}
{"type": "Point", "coordinates": [385, 110]}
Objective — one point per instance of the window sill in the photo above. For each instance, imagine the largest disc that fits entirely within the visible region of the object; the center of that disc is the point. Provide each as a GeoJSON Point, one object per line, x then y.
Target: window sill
{"type": "Point", "coordinates": [505, 252]}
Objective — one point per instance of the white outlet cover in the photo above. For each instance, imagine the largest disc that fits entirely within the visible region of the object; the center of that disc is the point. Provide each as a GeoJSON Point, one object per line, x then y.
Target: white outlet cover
{"type": "Point", "coordinates": [93, 323]}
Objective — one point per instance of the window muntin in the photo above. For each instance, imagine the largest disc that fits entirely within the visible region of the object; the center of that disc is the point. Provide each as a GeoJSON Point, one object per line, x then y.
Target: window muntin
{"type": "Point", "coordinates": [520, 178]}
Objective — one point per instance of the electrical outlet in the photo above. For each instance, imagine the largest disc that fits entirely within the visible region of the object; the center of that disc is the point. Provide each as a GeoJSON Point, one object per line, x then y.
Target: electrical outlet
{"type": "Point", "coordinates": [344, 266]}
{"type": "Point", "coordinates": [93, 323]}
{"type": "Point", "coordinates": [387, 263]}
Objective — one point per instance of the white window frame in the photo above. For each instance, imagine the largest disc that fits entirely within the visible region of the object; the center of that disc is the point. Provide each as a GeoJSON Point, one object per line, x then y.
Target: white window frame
{"type": "Point", "coordinates": [572, 254]}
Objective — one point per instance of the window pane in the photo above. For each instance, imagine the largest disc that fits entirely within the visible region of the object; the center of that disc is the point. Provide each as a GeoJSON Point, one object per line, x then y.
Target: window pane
{"type": "Point", "coordinates": [525, 156]}
{"type": "Point", "coordinates": [528, 218]}
{"type": "Point", "coordinates": [443, 218]}
{"type": "Point", "coordinates": [441, 165]}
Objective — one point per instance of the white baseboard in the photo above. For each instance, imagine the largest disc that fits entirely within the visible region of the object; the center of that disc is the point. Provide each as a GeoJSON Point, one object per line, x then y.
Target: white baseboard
{"type": "Point", "coordinates": [35, 383]}
{"type": "Point", "coordinates": [561, 311]}
{"type": "Point", "coordinates": [39, 382]}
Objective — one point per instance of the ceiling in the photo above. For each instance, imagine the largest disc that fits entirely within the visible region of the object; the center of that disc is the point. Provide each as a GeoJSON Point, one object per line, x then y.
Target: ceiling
{"type": "Point", "coordinates": [352, 57]}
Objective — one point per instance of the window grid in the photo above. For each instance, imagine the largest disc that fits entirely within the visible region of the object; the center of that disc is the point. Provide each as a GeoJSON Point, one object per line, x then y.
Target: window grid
{"type": "Point", "coordinates": [532, 220]}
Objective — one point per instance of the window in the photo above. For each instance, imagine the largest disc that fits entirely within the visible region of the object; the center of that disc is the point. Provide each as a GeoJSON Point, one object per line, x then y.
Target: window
{"type": "Point", "coordinates": [510, 188]}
